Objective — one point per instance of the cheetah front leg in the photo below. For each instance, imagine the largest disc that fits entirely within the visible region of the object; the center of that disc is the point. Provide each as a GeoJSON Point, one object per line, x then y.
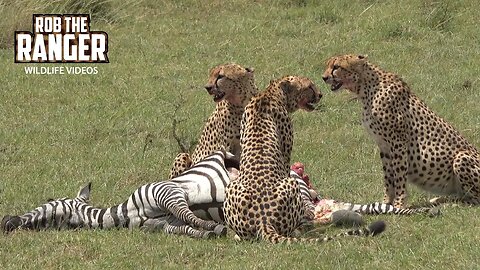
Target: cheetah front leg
{"type": "Point", "coordinates": [388, 177]}
{"type": "Point", "coordinates": [466, 168]}
{"type": "Point", "coordinates": [181, 162]}
{"type": "Point", "coordinates": [399, 166]}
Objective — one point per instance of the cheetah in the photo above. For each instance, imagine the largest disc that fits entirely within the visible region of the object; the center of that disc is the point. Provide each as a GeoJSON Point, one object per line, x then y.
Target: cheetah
{"type": "Point", "coordinates": [232, 87]}
{"type": "Point", "coordinates": [415, 144]}
{"type": "Point", "coordinates": [264, 202]}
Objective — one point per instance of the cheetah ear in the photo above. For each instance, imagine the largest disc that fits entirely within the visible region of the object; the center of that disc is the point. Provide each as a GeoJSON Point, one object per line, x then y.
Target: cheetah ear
{"type": "Point", "coordinates": [285, 86]}
{"type": "Point", "coordinates": [249, 69]}
{"type": "Point", "coordinates": [85, 192]}
{"type": "Point", "coordinates": [362, 56]}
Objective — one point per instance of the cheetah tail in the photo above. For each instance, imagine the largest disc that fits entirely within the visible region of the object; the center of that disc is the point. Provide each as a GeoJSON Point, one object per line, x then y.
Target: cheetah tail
{"type": "Point", "coordinates": [269, 234]}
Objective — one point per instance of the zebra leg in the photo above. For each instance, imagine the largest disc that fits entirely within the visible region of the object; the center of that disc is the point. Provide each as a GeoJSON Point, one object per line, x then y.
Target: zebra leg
{"type": "Point", "coordinates": [382, 208]}
{"type": "Point", "coordinates": [181, 211]}
{"type": "Point", "coordinates": [153, 225]}
{"type": "Point", "coordinates": [439, 200]}
{"type": "Point", "coordinates": [174, 226]}
{"type": "Point", "coordinates": [180, 164]}
{"type": "Point", "coordinates": [347, 218]}
{"type": "Point", "coordinates": [187, 230]}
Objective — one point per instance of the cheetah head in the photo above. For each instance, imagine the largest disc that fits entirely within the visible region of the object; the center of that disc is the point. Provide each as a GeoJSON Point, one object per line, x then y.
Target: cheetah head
{"type": "Point", "coordinates": [231, 82]}
{"type": "Point", "coordinates": [301, 93]}
{"type": "Point", "coordinates": [344, 71]}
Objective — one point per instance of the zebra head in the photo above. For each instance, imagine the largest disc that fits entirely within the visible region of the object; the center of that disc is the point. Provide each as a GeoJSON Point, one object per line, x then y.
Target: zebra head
{"type": "Point", "coordinates": [57, 214]}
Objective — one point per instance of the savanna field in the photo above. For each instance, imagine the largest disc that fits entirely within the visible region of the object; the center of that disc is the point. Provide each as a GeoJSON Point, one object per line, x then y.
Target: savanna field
{"type": "Point", "coordinates": [58, 132]}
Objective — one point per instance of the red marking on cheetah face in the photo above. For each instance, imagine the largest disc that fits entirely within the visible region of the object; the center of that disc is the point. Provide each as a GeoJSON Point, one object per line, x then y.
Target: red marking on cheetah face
{"type": "Point", "coordinates": [308, 103]}
{"type": "Point", "coordinates": [301, 93]}
{"type": "Point", "coordinates": [343, 71]}
{"type": "Point", "coordinates": [229, 82]}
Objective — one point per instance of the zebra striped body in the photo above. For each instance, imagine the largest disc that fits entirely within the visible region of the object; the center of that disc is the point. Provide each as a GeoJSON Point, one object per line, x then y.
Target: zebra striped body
{"type": "Point", "coordinates": [191, 200]}
{"type": "Point", "coordinates": [204, 187]}
{"type": "Point", "coordinates": [209, 197]}
{"type": "Point", "coordinates": [154, 206]}
{"type": "Point", "coordinates": [190, 204]}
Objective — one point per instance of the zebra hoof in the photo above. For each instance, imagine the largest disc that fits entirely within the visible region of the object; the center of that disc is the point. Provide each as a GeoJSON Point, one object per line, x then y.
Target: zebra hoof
{"type": "Point", "coordinates": [220, 230]}
{"type": "Point", "coordinates": [209, 235]}
{"type": "Point", "coordinates": [438, 200]}
{"type": "Point", "coordinates": [434, 212]}
{"type": "Point", "coordinates": [377, 227]}
{"type": "Point", "coordinates": [237, 238]}
{"type": "Point", "coordinates": [347, 218]}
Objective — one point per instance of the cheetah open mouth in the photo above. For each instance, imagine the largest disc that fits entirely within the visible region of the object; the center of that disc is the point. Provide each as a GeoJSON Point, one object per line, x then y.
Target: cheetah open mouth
{"type": "Point", "coordinates": [218, 97]}
{"type": "Point", "coordinates": [336, 85]}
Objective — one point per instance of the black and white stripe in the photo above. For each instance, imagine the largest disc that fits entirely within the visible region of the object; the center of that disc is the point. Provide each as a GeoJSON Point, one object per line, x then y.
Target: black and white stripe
{"type": "Point", "coordinates": [190, 204]}
{"type": "Point", "coordinates": [378, 208]}
{"type": "Point", "coordinates": [155, 206]}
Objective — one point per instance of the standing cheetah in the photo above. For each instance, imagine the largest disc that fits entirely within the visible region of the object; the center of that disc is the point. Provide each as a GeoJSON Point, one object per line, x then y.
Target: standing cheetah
{"type": "Point", "coordinates": [415, 144]}
{"type": "Point", "coordinates": [263, 202]}
{"type": "Point", "coordinates": [231, 86]}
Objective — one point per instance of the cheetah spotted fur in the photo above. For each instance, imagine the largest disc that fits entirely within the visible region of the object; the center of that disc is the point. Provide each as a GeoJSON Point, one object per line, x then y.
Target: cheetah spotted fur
{"type": "Point", "coordinates": [415, 144]}
{"type": "Point", "coordinates": [263, 202]}
{"type": "Point", "coordinates": [232, 86]}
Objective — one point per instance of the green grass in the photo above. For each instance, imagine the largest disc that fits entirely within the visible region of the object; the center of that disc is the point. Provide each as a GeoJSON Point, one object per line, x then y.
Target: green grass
{"type": "Point", "coordinates": [59, 132]}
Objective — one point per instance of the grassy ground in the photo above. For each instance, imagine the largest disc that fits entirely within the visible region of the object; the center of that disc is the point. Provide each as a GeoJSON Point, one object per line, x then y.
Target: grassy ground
{"type": "Point", "coordinates": [59, 132]}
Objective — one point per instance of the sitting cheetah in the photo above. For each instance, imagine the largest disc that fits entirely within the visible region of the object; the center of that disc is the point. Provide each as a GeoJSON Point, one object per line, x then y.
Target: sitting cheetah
{"type": "Point", "coordinates": [231, 86]}
{"type": "Point", "coordinates": [415, 144]}
{"type": "Point", "coordinates": [263, 202]}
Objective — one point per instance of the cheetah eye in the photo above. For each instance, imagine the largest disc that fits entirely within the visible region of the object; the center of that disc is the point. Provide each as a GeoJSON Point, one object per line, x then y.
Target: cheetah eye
{"type": "Point", "coordinates": [335, 66]}
{"type": "Point", "coordinates": [219, 77]}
